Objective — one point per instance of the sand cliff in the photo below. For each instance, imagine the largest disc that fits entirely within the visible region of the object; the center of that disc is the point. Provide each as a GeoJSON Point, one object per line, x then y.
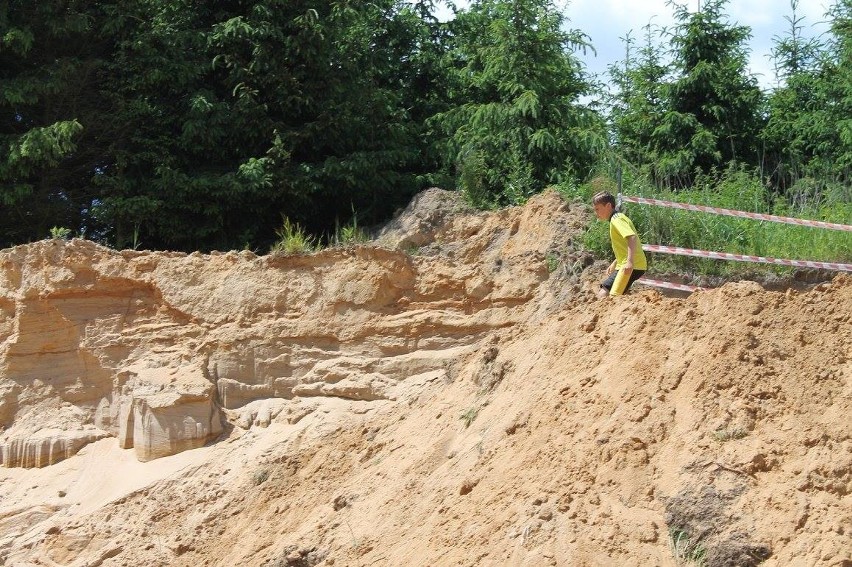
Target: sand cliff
{"type": "Point", "coordinates": [452, 396]}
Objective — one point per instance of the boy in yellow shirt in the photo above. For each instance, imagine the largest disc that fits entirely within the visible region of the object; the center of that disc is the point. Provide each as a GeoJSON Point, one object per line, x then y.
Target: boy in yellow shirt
{"type": "Point", "coordinates": [630, 262]}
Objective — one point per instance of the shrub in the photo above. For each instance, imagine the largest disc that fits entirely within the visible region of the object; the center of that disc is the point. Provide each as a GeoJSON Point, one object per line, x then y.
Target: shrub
{"type": "Point", "coordinates": [468, 416]}
{"type": "Point", "coordinates": [686, 550]}
{"type": "Point", "coordinates": [260, 476]}
{"type": "Point", "coordinates": [349, 234]}
{"type": "Point", "coordinates": [292, 239]}
{"type": "Point", "coordinates": [60, 232]}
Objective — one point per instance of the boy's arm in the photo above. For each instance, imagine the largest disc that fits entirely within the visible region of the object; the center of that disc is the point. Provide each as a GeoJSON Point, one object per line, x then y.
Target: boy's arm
{"type": "Point", "coordinates": [632, 243]}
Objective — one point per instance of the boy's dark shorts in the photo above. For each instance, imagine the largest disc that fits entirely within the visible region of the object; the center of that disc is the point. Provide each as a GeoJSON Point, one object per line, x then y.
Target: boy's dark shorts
{"type": "Point", "coordinates": [635, 275]}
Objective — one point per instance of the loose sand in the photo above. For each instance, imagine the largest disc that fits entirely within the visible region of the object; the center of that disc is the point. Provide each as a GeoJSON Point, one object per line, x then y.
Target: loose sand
{"type": "Point", "coordinates": [457, 404]}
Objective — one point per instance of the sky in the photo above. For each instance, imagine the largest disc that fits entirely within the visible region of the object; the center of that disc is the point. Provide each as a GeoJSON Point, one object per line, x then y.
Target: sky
{"type": "Point", "coordinates": [605, 21]}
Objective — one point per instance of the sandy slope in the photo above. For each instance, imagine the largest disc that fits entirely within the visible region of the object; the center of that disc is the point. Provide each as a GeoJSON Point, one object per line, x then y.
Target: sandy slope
{"type": "Point", "coordinates": [519, 421]}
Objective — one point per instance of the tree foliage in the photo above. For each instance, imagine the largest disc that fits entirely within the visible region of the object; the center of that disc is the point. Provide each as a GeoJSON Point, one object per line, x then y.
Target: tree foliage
{"type": "Point", "coordinates": [808, 131]}
{"type": "Point", "coordinates": [794, 132]}
{"type": "Point", "coordinates": [245, 111]}
{"type": "Point", "coordinates": [697, 111]}
{"type": "Point", "coordinates": [51, 70]}
{"type": "Point", "coordinates": [838, 71]}
{"type": "Point", "coordinates": [176, 124]}
{"type": "Point", "coordinates": [714, 116]}
{"type": "Point", "coordinates": [641, 100]}
{"type": "Point", "coordinates": [197, 125]}
{"type": "Point", "coordinates": [515, 122]}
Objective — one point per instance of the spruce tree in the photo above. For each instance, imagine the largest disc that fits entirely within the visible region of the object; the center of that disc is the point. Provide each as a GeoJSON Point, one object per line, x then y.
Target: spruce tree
{"type": "Point", "coordinates": [797, 123]}
{"type": "Point", "coordinates": [515, 121]}
{"type": "Point", "coordinates": [639, 104]}
{"type": "Point", "coordinates": [714, 106]}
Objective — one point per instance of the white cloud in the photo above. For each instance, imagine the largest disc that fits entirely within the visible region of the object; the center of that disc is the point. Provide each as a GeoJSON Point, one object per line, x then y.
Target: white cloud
{"type": "Point", "coordinates": [608, 20]}
{"type": "Point", "coordinates": [814, 10]}
{"type": "Point", "coordinates": [756, 13]}
{"type": "Point", "coordinates": [619, 14]}
{"type": "Point", "coordinates": [443, 12]}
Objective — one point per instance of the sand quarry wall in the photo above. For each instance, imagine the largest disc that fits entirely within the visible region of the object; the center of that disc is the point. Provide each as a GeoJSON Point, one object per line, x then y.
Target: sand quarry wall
{"type": "Point", "coordinates": [454, 396]}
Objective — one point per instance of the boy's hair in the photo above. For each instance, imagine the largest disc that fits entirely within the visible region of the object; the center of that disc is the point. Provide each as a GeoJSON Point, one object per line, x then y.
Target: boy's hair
{"type": "Point", "coordinates": [604, 197]}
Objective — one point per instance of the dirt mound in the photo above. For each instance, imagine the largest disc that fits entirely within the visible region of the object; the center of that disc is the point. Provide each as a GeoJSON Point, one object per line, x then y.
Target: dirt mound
{"type": "Point", "coordinates": [417, 224]}
{"type": "Point", "coordinates": [467, 405]}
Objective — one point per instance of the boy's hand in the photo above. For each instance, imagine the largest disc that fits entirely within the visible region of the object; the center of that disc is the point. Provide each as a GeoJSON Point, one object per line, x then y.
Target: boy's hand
{"type": "Point", "coordinates": [628, 266]}
{"type": "Point", "coordinates": [611, 268]}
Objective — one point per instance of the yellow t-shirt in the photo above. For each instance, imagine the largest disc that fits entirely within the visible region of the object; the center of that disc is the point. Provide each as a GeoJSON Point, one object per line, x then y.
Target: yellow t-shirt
{"type": "Point", "coordinates": [620, 227]}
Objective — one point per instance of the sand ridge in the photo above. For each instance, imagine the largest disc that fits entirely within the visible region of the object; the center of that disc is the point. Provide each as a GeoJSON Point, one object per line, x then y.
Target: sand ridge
{"type": "Point", "coordinates": [460, 404]}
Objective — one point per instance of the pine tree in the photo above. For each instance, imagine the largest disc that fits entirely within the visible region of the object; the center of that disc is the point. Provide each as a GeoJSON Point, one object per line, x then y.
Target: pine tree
{"type": "Point", "coordinates": [243, 112]}
{"type": "Point", "coordinates": [639, 104]}
{"type": "Point", "coordinates": [809, 132]}
{"type": "Point", "coordinates": [516, 122]}
{"type": "Point", "coordinates": [797, 120]}
{"type": "Point", "coordinates": [839, 82]}
{"type": "Point", "coordinates": [714, 105]}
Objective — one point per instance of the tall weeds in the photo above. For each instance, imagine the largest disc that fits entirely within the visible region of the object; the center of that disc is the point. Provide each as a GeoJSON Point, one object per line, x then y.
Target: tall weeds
{"type": "Point", "coordinates": [292, 239]}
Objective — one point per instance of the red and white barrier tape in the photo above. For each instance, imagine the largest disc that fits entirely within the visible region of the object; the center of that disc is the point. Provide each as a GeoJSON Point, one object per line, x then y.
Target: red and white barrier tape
{"type": "Point", "coordinates": [669, 285]}
{"type": "Point", "coordinates": [745, 258]}
{"type": "Point", "coordinates": [733, 213]}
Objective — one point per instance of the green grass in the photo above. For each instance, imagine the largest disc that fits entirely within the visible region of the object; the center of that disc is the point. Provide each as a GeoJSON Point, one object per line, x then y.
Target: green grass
{"type": "Point", "coordinates": [348, 234]}
{"type": "Point", "coordinates": [60, 232]}
{"type": "Point", "coordinates": [727, 434]}
{"type": "Point", "coordinates": [687, 552]}
{"type": "Point", "coordinates": [468, 416]}
{"type": "Point", "coordinates": [292, 239]}
{"type": "Point", "coordinates": [552, 263]}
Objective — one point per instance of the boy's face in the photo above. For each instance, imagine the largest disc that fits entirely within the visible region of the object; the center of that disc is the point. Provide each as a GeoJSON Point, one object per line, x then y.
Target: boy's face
{"type": "Point", "coordinates": [603, 210]}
